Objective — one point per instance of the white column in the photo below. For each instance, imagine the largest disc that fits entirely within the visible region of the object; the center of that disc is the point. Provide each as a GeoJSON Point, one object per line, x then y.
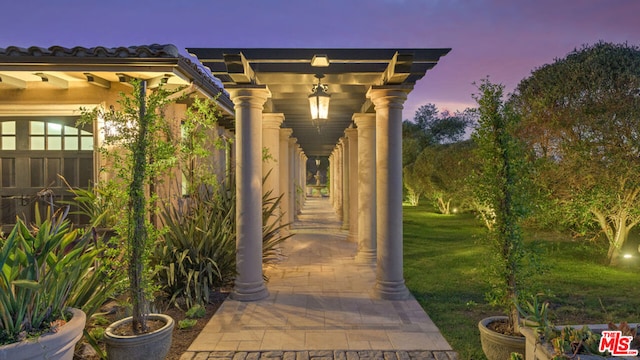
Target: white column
{"type": "Point", "coordinates": [388, 103]}
{"type": "Point", "coordinates": [249, 102]}
{"type": "Point", "coordinates": [299, 187]}
{"type": "Point", "coordinates": [352, 137]}
{"type": "Point", "coordinates": [366, 124]}
{"type": "Point", "coordinates": [303, 174]}
{"type": "Point", "coordinates": [271, 165]}
{"type": "Point", "coordinates": [285, 176]}
{"type": "Point", "coordinates": [330, 178]}
{"type": "Point", "coordinates": [339, 179]}
{"type": "Point", "coordinates": [345, 183]}
{"type": "Point", "coordinates": [292, 185]}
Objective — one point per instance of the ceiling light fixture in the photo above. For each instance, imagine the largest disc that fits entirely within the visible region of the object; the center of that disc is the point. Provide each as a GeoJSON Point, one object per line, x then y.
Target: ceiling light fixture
{"type": "Point", "coordinates": [319, 102]}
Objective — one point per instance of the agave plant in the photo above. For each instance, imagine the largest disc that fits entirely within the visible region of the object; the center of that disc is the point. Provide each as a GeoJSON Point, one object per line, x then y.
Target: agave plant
{"type": "Point", "coordinates": [198, 254]}
{"type": "Point", "coordinates": [39, 269]}
{"type": "Point", "coordinates": [199, 250]}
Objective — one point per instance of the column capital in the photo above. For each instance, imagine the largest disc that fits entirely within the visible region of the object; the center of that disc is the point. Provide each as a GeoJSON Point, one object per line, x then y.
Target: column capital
{"type": "Point", "coordinates": [293, 141]}
{"type": "Point", "coordinates": [249, 94]}
{"type": "Point", "coordinates": [364, 120]}
{"type": "Point", "coordinates": [272, 120]}
{"type": "Point", "coordinates": [350, 133]}
{"type": "Point", "coordinates": [285, 133]}
{"type": "Point", "coordinates": [388, 96]}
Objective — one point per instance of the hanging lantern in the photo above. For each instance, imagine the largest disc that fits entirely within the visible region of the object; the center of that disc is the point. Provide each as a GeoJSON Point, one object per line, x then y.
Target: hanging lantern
{"type": "Point", "coordinates": [319, 100]}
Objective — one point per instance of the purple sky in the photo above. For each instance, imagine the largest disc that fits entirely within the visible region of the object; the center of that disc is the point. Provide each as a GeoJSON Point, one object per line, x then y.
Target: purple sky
{"type": "Point", "coordinates": [502, 39]}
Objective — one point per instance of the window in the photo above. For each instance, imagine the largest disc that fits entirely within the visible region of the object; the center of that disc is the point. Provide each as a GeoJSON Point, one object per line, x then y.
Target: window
{"type": "Point", "coordinates": [35, 152]}
{"type": "Point", "coordinates": [8, 135]}
{"type": "Point", "coordinates": [55, 136]}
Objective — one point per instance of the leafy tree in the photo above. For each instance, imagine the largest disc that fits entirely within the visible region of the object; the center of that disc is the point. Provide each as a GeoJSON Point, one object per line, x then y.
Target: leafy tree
{"type": "Point", "coordinates": [414, 183]}
{"type": "Point", "coordinates": [440, 128]}
{"type": "Point", "coordinates": [500, 185]}
{"type": "Point", "coordinates": [197, 144]}
{"type": "Point", "coordinates": [428, 128]}
{"type": "Point", "coordinates": [581, 121]}
{"type": "Point", "coordinates": [139, 141]}
{"type": "Point", "coordinates": [441, 171]}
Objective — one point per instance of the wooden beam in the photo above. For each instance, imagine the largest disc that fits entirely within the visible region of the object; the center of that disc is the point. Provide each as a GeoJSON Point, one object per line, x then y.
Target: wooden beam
{"type": "Point", "coordinates": [98, 81]}
{"type": "Point", "coordinates": [124, 78]}
{"type": "Point", "coordinates": [157, 81]}
{"type": "Point", "coordinates": [239, 69]}
{"type": "Point", "coordinates": [53, 80]}
{"type": "Point", "coordinates": [398, 70]}
{"type": "Point", "coordinates": [12, 81]}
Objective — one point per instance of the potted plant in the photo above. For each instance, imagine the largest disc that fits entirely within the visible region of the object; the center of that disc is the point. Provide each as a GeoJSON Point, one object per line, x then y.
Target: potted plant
{"type": "Point", "coordinates": [137, 139]}
{"type": "Point", "coordinates": [500, 186]}
{"type": "Point", "coordinates": [544, 341]}
{"type": "Point", "coordinates": [39, 269]}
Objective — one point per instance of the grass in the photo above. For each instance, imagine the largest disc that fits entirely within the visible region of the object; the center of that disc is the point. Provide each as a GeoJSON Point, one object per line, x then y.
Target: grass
{"type": "Point", "coordinates": [444, 260]}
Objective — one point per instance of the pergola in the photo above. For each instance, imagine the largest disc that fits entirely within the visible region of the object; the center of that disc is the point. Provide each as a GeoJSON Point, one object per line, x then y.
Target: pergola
{"type": "Point", "coordinates": [362, 139]}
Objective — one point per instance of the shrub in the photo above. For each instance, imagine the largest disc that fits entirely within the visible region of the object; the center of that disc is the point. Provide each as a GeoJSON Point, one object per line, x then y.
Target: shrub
{"type": "Point", "coordinates": [199, 250]}
{"type": "Point", "coordinates": [198, 254]}
{"type": "Point", "coordinates": [196, 312]}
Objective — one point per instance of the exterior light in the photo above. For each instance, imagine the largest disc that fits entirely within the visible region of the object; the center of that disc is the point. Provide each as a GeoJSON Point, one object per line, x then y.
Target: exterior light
{"type": "Point", "coordinates": [318, 162]}
{"type": "Point", "coordinates": [320, 60]}
{"type": "Point", "coordinates": [319, 102]}
{"type": "Point", "coordinates": [627, 256]}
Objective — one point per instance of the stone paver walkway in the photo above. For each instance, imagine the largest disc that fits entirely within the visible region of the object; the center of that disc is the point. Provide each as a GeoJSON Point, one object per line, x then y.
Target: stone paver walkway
{"type": "Point", "coordinates": [321, 307]}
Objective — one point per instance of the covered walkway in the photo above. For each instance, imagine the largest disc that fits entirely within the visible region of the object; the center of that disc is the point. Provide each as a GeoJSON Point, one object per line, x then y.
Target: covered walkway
{"type": "Point", "coordinates": [321, 303]}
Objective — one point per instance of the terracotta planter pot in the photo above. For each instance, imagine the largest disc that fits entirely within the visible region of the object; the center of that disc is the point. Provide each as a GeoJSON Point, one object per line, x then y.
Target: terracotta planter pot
{"type": "Point", "coordinates": [152, 346]}
{"type": "Point", "coordinates": [51, 346]}
{"type": "Point", "coordinates": [497, 346]}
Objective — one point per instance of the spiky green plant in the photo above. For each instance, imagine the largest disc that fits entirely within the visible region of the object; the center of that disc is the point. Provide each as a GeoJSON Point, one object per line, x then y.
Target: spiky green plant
{"type": "Point", "coordinates": [199, 250]}
{"type": "Point", "coordinates": [40, 273]}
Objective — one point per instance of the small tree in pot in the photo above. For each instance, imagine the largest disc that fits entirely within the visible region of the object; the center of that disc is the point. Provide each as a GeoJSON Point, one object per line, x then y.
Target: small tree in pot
{"type": "Point", "coordinates": [138, 142]}
{"type": "Point", "coordinates": [501, 186]}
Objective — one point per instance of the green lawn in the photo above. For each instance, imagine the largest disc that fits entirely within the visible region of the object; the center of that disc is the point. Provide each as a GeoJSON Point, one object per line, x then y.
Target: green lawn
{"type": "Point", "coordinates": [444, 259]}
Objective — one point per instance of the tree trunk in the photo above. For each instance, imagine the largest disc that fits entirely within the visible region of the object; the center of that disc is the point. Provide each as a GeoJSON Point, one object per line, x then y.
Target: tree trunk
{"type": "Point", "coordinates": [137, 226]}
{"type": "Point", "coordinates": [621, 235]}
{"type": "Point", "coordinates": [443, 206]}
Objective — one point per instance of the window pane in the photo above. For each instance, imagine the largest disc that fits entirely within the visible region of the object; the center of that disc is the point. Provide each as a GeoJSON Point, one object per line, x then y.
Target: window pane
{"type": "Point", "coordinates": [70, 143]}
{"type": "Point", "coordinates": [8, 172]}
{"type": "Point", "coordinates": [37, 172]}
{"type": "Point", "coordinates": [54, 143]}
{"type": "Point", "coordinates": [8, 128]}
{"type": "Point", "coordinates": [8, 143]}
{"type": "Point", "coordinates": [37, 143]}
{"type": "Point", "coordinates": [54, 129]}
{"type": "Point", "coordinates": [53, 169]}
{"type": "Point", "coordinates": [87, 143]}
{"type": "Point", "coordinates": [85, 133]}
{"type": "Point", "coordinates": [37, 128]}
{"type": "Point", "coordinates": [68, 130]}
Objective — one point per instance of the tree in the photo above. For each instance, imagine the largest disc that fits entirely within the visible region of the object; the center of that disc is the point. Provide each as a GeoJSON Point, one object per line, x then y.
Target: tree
{"type": "Point", "coordinates": [500, 185]}
{"type": "Point", "coordinates": [443, 128]}
{"type": "Point", "coordinates": [428, 128]}
{"type": "Point", "coordinates": [440, 172]}
{"type": "Point", "coordinates": [139, 140]}
{"type": "Point", "coordinates": [581, 121]}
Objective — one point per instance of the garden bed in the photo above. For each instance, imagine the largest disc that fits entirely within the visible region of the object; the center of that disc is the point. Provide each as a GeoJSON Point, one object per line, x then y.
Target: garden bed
{"type": "Point", "coordinates": [181, 339]}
